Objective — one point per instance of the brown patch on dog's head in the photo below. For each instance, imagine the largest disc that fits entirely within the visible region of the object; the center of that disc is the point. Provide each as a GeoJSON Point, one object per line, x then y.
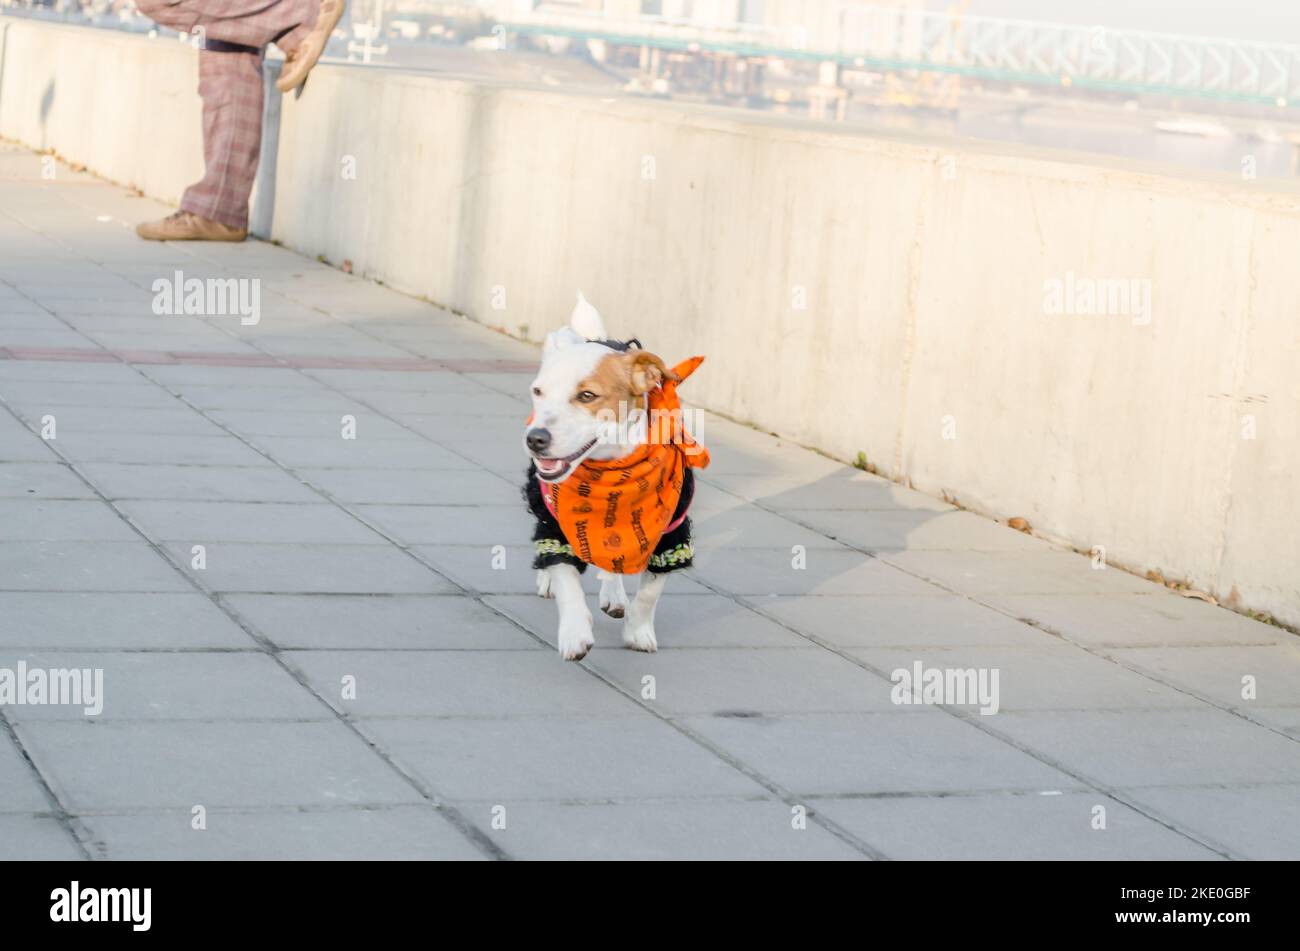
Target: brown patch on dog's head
{"type": "Point", "coordinates": [621, 379]}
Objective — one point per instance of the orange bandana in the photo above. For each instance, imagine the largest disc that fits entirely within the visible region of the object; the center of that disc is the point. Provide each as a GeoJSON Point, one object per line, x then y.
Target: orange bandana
{"type": "Point", "coordinates": [613, 512]}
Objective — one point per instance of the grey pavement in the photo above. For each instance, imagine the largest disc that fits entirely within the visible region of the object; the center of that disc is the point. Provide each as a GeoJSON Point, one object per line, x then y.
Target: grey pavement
{"type": "Point", "coordinates": [297, 553]}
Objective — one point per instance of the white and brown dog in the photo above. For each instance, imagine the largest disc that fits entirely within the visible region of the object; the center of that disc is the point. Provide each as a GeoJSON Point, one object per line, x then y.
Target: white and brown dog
{"type": "Point", "coordinates": [609, 483]}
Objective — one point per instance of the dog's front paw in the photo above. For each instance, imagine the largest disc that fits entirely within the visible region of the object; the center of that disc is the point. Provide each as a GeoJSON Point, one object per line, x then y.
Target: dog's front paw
{"type": "Point", "coordinates": [575, 637]}
{"type": "Point", "coordinates": [640, 636]}
{"type": "Point", "coordinates": [613, 599]}
{"type": "Point", "coordinates": [544, 584]}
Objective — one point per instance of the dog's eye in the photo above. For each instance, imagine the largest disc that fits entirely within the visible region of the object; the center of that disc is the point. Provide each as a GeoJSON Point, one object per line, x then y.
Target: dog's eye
{"type": "Point", "coordinates": [537, 391]}
{"type": "Point", "coordinates": [586, 396]}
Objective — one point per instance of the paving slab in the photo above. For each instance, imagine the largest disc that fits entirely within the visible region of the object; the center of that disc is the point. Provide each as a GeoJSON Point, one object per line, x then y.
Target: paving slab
{"type": "Point", "coordinates": [690, 830]}
{"type": "Point", "coordinates": [502, 435]}
{"type": "Point", "coordinates": [434, 394]}
{"type": "Point", "coordinates": [323, 424]}
{"type": "Point", "coordinates": [748, 526]}
{"type": "Point", "coordinates": [105, 374]}
{"type": "Point", "coordinates": [178, 379]}
{"type": "Point", "coordinates": [1138, 748]}
{"type": "Point", "coordinates": [484, 525]}
{"type": "Point", "coordinates": [62, 520]}
{"type": "Point", "coordinates": [20, 789]}
{"type": "Point", "coordinates": [503, 457]}
{"type": "Point", "coordinates": [360, 667]}
{"type": "Point", "coordinates": [41, 480]}
{"type": "Point", "coordinates": [1044, 676]}
{"type": "Point", "coordinates": [1251, 822]}
{"type": "Point", "coordinates": [178, 764]}
{"type": "Point", "coordinates": [215, 483]}
{"type": "Point", "coordinates": [1281, 719]}
{"type": "Point", "coordinates": [842, 488]}
{"type": "Point", "coordinates": [107, 620]}
{"type": "Point", "coordinates": [457, 684]}
{"type": "Point", "coordinates": [922, 620]}
{"type": "Point", "coordinates": [390, 833]}
{"type": "Point", "coordinates": [917, 530]}
{"type": "Point", "coordinates": [165, 685]}
{"type": "Point", "coordinates": [216, 450]}
{"type": "Point", "coordinates": [201, 521]}
{"type": "Point", "coordinates": [774, 572]}
{"type": "Point", "coordinates": [85, 566]}
{"type": "Point", "coordinates": [920, 750]}
{"type": "Point", "coordinates": [306, 452]}
{"type": "Point", "coordinates": [1004, 826]}
{"type": "Point", "coordinates": [409, 487]}
{"type": "Point", "coordinates": [73, 421]}
{"type": "Point", "coordinates": [307, 569]}
{"type": "Point", "coordinates": [36, 838]}
{"type": "Point", "coordinates": [22, 444]}
{"type": "Point", "coordinates": [557, 759]}
{"type": "Point", "coordinates": [1152, 618]}
{"type": "Point", "coordinates": [512, 410]}
{"type": "Point", "coordinates": [1239, 677]}
{"type": "Point", "coordinates": [379, 622]}
{"type": "Point", "coordinates": [1036, 572]}
{"type": "Point", "coordinates": [142, 395]}
{"type": "Point", "coordinates": [372, 386]}
{"type": "Point", "coordinates": [314, 400]}
{"type": "Point", "coordinates": [745, 682]}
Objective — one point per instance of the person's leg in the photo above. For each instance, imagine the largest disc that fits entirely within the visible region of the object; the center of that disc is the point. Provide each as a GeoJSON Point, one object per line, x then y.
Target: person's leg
{"type": "Point", "coordinates": [177, 16]}
{"type": "Point", "coordinates": [246, 22]}
{"type": "Point", "coordinates": [234, 35]}
{"type": "Point", "coordinates": [230, 84]}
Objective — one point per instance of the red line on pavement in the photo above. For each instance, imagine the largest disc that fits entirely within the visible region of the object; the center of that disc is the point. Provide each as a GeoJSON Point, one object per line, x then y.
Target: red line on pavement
{"type": "Point", "coordinates": [181, 358]}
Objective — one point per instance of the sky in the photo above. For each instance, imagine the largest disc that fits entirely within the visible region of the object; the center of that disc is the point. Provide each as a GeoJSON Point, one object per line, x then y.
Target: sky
{"type": "Point", "coordinates": [1275, 21]}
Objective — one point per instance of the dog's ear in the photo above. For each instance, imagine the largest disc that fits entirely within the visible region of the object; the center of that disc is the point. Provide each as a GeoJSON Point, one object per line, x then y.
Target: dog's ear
{"type": "Point", "coordinates": [559, 339]}
{"type": "Point", "coordinates": [646, 371]}
{"type": "Point", "coordinates": [585, 320]}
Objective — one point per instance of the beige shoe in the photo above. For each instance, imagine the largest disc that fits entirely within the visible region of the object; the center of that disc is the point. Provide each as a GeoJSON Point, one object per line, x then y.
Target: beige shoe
{"type": "Point", "coordinates": [299, 61]}
{"type": "Point", "coordinates": [186, 226]}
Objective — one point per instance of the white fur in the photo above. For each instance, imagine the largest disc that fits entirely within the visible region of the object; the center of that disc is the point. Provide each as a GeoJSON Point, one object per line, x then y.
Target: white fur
{"type": "Point", "coordinates": [586, 320]}
{"type": "Point", "coordinates": [613, 599]}
{"type": "Point", "coordinates": [568, 357]}
{"type": "Point", "coordinates": [575, 637]}
{"type": "Point", "coordinates": [639, 628]}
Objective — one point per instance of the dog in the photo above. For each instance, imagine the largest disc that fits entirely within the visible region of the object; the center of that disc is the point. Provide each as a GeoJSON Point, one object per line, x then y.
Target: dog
{"type": "Point", "coordinates": [610, 478]}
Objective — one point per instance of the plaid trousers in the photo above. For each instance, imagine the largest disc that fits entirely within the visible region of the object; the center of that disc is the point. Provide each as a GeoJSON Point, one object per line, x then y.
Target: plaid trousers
{"type": "Point", "coordinates": [230, 85]}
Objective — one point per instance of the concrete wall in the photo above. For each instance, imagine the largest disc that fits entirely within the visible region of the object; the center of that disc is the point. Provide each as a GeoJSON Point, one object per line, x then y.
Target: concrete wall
{"type": "Point", "coordinates": [853, 293]}
{"type": "Point", "coordinates": [125, 106]}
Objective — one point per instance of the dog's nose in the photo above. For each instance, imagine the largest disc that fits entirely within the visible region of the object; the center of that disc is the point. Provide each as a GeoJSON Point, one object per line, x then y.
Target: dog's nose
{"type": "Point", "coordinates": [539, 439]}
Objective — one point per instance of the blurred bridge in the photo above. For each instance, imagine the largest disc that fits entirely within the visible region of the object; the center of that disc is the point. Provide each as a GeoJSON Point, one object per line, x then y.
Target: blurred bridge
{"type": "Point", "coordinates": [890, 298]}
{"type": "Point", "coordinates": [1018, 51]}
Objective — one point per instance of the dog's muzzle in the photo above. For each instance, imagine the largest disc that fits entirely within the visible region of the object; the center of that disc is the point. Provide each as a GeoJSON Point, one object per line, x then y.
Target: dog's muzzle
{"type": "Point", "coordinates": [555, 470]}
{"type": "Point", "coordinates": [538, 440]}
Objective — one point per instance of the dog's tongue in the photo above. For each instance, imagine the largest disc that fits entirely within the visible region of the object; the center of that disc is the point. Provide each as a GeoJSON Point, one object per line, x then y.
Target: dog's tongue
{"type": "Point", "coordinates": [550, 465]}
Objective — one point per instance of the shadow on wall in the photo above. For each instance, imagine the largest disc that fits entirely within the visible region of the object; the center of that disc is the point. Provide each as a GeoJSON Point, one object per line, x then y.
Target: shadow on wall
{"type": "Point", "coordinates": [47, 97]}
{"type": "Point", "coordinates": [47, 103]}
